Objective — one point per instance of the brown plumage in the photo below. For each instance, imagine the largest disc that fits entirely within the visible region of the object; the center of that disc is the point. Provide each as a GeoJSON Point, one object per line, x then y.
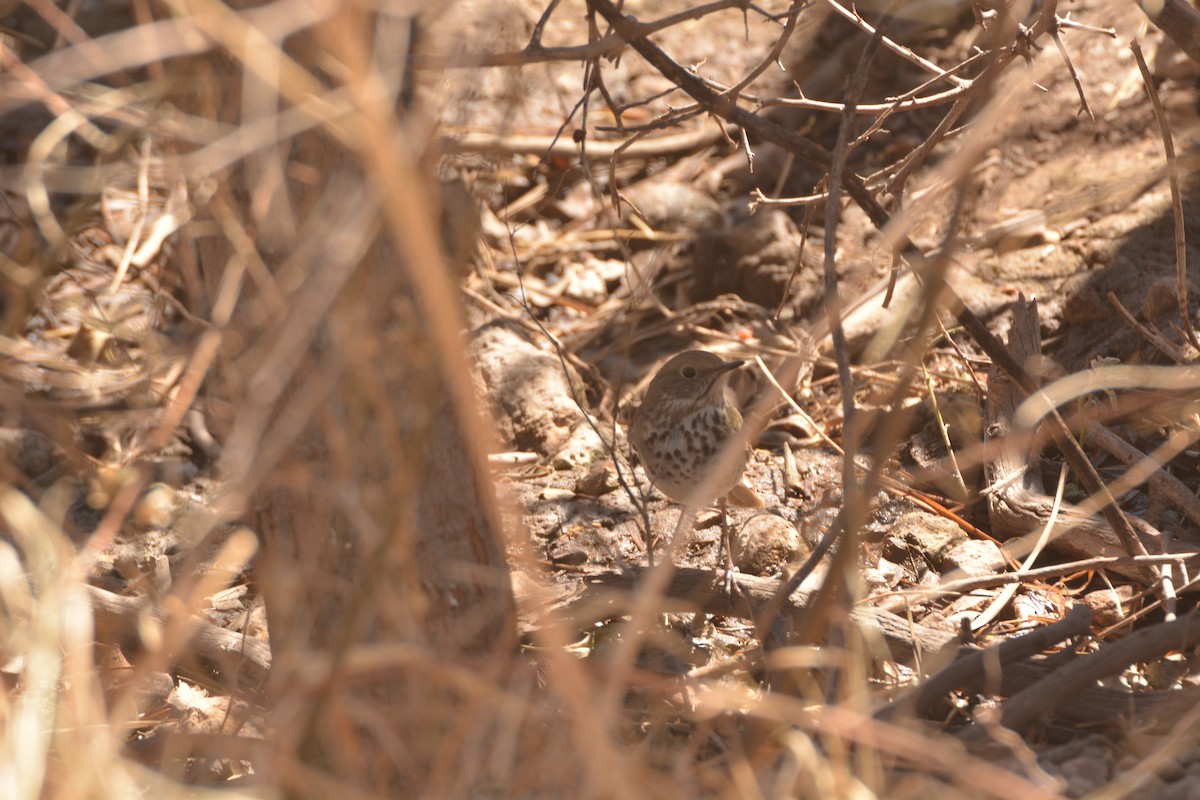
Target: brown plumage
{"type": "Point", "coordinates": [681, 427]}
{"type": "Point", "coordinates": [680, 432]}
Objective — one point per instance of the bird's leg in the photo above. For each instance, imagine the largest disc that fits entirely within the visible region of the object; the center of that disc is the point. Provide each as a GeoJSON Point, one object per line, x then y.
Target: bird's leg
{"type": "Point", "coordinates": [730, 587]}
{"type": "Point", "coordinates": [725, 535]}
{"type": "Point", "coordinates": [683, 531]}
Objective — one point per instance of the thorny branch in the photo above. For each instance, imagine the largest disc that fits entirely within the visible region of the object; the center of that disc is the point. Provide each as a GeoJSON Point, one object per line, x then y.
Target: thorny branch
{"type": "Point", "coordinates": [728, 109]}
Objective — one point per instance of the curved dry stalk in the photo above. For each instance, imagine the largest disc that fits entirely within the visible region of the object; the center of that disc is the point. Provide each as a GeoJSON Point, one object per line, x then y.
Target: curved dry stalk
{"type": "Point", "coordinates": [1006, 594]}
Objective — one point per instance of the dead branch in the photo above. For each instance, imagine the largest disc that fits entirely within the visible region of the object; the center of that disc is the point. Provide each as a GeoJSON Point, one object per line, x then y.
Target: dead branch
{"type": "Point", "coordinates": [610, 594]}
{"type": "Point", "coordinates": [1034, 703]}
{"type": "Point", "coordinates": [215, 655]}
{"type": "Point", "coordinates": [1022, 505]}
{"type": "Point", "coordinates": [1179, 20]}
{"type": "Point", "coordinates": [970, 672]}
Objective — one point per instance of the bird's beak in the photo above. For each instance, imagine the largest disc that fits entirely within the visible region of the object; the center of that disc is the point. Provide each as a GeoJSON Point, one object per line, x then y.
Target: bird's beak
{"type": "Point", "coordinates": [729, 366]}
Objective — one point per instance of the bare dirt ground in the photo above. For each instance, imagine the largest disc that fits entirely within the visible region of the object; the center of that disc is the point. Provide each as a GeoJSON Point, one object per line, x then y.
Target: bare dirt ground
{"type": "Point", "coordinates": [1057, 206]}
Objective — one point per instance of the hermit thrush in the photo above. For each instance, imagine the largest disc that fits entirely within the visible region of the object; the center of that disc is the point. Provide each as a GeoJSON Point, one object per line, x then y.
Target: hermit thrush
{"type": "Point", "coordinates": [680, 430]}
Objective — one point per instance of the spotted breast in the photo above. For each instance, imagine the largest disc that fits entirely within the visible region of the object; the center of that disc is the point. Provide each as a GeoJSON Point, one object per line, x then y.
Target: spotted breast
{"type": "Point", "coordinates": [681, 427]}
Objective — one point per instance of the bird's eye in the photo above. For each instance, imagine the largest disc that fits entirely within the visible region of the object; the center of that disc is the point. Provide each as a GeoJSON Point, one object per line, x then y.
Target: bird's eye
{"type": "Point", "coordinates": [688, 372]}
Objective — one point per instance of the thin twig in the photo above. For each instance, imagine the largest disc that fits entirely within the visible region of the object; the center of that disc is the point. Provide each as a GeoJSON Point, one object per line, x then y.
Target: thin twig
{"type": "Point", "coordinates": [796, 407]}
{"type": "Point", "coordinates": [944, 432]}
{"type": "Point", "coordinates": [797, 263]}
{"type": "Point", "coordinates": [793, 14]}
{"type": "Point", "coordinates": [1176, 196]}
{"type": "Point", "coordinates": [1062, 50]}
{"type": "Point", "coordinates": [1156, 339]}
{"type": "Point", "coordinates": [900, 50]}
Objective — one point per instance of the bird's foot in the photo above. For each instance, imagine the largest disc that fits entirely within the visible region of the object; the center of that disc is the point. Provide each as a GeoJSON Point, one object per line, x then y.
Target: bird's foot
{"type": "Point", "coordinates": [732, 590]}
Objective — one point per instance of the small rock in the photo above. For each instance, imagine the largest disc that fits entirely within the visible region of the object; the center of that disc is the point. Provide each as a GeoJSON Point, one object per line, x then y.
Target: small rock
{"type": "Point", "coordinates": [754, 257]}
{"type": "Point", "coordinates": [975, 558]}
{"type": "Point", "coordinates": [105, 482]}
{"type": "Point", "coordinates": [1166, 672]}
{"type": "Point", "coordinates": [583, 447]}
{"type": "Point", "coordinates": [155, 690]}
{"type": "Point", "coordinates": [672, 206]}
{"type": "Point", "coordinates": [569, 553]}
{"type": "Point", "coordinates": [1161, 299]}
{"type": "Point", "coordinates": [1110, 606]}
{"type": "Point", "coordinates": [1085, 773]}
{"type": "Point", "coordinates": [928, 534]}
{"type": "Point", "coordinates": [765, 544]}
{"type": "Point", "coordinates": [1083, 304]}
{"type": "Point", "coordinates": [535, 402]}
{"type": "Point", "coordinates": [156, 507]}
{"type": "Point", "coordinates": [600, 479]}
{"type": "Point", "coordinates": [33, 453]}
{"type": "Point", "coordinates": [1032, 604]}
{"type": "Point", "coordinates": [815, 523]}
{"type": "Point", "coordinates": [884, 576]}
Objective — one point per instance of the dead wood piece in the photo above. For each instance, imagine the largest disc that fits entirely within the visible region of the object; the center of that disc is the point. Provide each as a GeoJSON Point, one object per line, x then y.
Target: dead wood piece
{"type": "Point", "coordinates": [1067, 680]}
{"type": "Point", "coordinates": [215, 655]}
{"type": "Point", "coordinates": [609, 594]}
{"type": "Point", "coordinates": [1171, 487]}
{"type": "Point", "coordinates": [970, 672]}
{"type": "Point", "coordinates": [1022, 506]}
{"type": "Point", "coordinates": [1096, 705]}
{"type": "Point", "coordinates": [1179, 20]}
{"type": "Point", "coordinates": [1039, 687]}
